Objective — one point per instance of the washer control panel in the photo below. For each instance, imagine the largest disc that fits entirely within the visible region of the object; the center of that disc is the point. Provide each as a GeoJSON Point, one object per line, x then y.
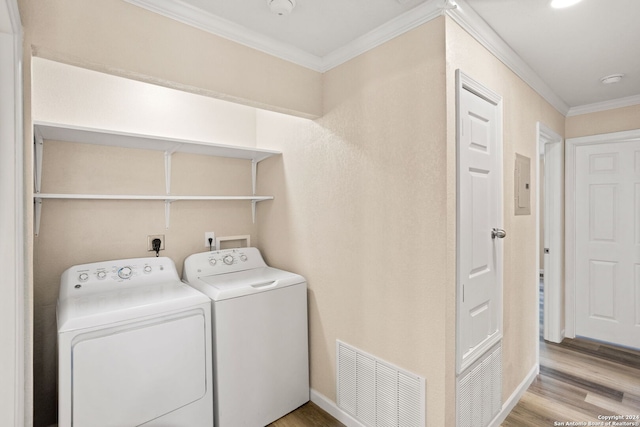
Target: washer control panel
{"type": "Point", "coordinates": [221, 262]}
{"type": "Point", "coordinates": [104, 276]}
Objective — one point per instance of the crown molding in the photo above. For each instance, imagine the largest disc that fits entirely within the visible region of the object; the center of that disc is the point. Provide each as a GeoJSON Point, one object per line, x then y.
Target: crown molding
{"type": "Point", "coordinates": [390, 30]}
{"type": "Point", "coordinates": [604, 106]}
{"type": "Point", "coordinates": [471, 22]}
{"type": "Point", "coordinates": [460, 12]}
{"type": "Point", "coordinates": [187, 14]}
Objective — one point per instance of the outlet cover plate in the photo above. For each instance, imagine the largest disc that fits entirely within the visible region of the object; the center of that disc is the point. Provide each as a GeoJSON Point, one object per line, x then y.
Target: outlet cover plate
{"type": "Point", "coordinates": [150, 240]}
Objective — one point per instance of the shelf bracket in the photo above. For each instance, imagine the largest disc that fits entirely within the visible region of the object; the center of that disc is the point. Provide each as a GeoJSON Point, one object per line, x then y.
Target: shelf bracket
{"type": "Point", "coordinates": [37, 213]}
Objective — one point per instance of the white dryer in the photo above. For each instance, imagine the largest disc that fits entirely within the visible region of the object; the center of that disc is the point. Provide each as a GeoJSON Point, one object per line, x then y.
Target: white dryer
{"type": "Point", "coordinates": [134, 347]}
{"type": "Point", "coordinates": [261, 356]}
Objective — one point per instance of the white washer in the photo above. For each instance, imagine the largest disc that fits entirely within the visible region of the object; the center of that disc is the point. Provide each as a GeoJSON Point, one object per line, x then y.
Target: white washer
{"type": "Point", "coordinates": [261, 356]}
{"type": "Point", "coordinates": [134, 347]}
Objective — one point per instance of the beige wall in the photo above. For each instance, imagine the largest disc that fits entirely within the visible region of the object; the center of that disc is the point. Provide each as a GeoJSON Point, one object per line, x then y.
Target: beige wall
{"type": "Point", "coordinates": [523, 108]}
{"type": "Point", "coordinates": [122, 39]}
{"type": "Point", "coordinates": [76, 232]}
{"type": "Point", "coordinates": [365, 195]}
{"type": "Point", "coordinates": [617, 120]}
{"type": "Point", "coordinates": [360, 210]}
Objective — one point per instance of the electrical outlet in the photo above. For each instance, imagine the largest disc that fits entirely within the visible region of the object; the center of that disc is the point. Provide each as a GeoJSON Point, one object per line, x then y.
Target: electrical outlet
{"type": "Point", "coordinates": [209, 235]}
{"type": "Point", "coordinates": [150, 240]}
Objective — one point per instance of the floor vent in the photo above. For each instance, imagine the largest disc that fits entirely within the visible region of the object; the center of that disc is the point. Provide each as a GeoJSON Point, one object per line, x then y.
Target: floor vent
{"type": "Point", "coordinates": [480, 390]}
{"type": "Point", "coordinates": [377, 393]}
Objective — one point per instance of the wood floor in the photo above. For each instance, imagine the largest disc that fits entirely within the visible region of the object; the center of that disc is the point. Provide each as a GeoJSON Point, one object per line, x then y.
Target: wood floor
{"type": "Point", "coordinates": [308, 415]}
{"type": "Point", "coordinates": [579, 381]}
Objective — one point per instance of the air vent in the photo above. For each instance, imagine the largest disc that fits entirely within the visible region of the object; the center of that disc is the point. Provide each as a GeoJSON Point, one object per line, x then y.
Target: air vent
{"type": "Point", "coordinates": [377, 393]}
{"type": "Point", "coordinates": [480, 390]}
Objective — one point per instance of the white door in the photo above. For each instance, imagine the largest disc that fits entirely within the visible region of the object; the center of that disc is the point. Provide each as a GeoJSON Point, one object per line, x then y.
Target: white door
{"type": "Point", "coordinates": [479, 317]}
{"type": "Point", "coordinates": [607, 242]}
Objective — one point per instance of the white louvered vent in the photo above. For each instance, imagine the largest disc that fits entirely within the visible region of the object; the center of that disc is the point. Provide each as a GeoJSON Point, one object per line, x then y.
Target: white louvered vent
{"type": "Point", "coordinates": [377, 393]}
{"type": "Point", "coordinates": [480, 390]}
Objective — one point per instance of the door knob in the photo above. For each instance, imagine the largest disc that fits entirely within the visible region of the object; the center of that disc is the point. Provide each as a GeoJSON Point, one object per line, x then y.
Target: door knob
{"type": "Point", "coordinates": [499, 233]}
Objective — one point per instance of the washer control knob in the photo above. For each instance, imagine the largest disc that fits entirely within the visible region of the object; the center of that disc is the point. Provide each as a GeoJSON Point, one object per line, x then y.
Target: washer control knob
{"type": "Point", "coordinates": [147, 269]}
{"type": "Point", "coordinates": [228, 260]}
{"type": "Point", "coordinates": [243, 257]}
{"type": "Point", "coordinates": [83, 277]}
{"type": "Point", "coordinates": [212, 262]}
{"type": "Point", "coordinates": [125, 272]}
{"type": "Point", "coordinates": [101, 274]}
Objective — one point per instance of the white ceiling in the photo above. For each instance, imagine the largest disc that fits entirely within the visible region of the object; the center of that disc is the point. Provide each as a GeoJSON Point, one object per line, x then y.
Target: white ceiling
{"type": "Point", "coordinates": [565, 51]}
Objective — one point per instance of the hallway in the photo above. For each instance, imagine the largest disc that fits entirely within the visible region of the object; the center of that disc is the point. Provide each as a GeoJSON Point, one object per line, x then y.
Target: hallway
{"type": "Point", "coordinates": [580, 381]}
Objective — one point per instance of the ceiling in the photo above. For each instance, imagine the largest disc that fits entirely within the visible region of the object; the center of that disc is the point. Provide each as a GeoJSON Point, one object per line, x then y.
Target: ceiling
{"type": "Point", "coordinates": [564, 52]}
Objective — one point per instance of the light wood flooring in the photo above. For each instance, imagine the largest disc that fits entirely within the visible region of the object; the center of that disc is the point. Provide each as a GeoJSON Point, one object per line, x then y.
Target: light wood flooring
{"type": "Point", "coordinates": [308, 415]}
{"type": "Point", "coordinates": [579, 380]}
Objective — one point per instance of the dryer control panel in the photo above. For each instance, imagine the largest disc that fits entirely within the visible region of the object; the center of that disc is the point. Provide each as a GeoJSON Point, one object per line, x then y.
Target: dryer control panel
{"type": "Point", "coordinates": [98, 277]}
{"type": "Point", "coordinates": [221, 262]}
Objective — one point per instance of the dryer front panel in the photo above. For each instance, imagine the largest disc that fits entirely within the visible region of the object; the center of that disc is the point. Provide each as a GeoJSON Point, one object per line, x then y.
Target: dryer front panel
{"type": "Point", "coordinates": [132, 374]}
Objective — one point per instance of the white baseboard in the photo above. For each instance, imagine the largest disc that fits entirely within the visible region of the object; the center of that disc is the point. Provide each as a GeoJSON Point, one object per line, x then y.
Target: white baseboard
{"type": "Point", "coordinates": [330, 407]}
{"type": "Point", "coordinates": [515, 397]}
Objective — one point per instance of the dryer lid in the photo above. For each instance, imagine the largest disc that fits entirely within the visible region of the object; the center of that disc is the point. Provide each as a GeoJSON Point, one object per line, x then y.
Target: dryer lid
{"type": "Point", "coordinates": [125, 304]}
{"type": "Point", "coordinates": [248, 282]}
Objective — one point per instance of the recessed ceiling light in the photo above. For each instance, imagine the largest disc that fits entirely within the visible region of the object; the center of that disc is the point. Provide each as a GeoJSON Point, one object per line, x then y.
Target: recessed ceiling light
{"type": "Point", "coordinates": [613, 78]}
{"type": "Point", "coordinates": [281, 7]}
{"type": "Point", "coordinates": [560, 4]}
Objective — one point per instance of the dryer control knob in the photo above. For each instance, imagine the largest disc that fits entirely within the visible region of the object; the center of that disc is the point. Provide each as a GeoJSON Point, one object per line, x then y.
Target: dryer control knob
{"type": "Point", "coordinates": [228, 260]}
{"type": "Point", "coordinates": [212, 262]}
{"type": "Point", "coordinates": [101, 274]}
{"type": "Point", "coordinates": [243, 257]}
{"type": "Point", "coordinates": [125, 272]}
{"type": "Point", "coordinates": [83, 277]}
{"type": "Point", "coordinates": [147, 269]}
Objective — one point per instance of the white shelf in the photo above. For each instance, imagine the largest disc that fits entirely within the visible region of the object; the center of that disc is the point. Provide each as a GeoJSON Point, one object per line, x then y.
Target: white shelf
{"type": "Point", "coordinates": [58, 132]}
{"type": "Point", "coordinates": [165, 198]}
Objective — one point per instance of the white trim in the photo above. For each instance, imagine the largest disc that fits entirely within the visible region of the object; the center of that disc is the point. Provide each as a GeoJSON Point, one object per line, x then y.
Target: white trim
{"type": "Point", "coordinates": [462, 14]}
{"type": "Point", "coordinates": [551, 146]}
{"type": "Point", "coordinates": [332, 409]}
{"type": "Point", "coordinates": [390, 30]}
{"type": "Point", "coordinates": [471, 22]}
{"type": "Point", "coordinates": [12, 200]}
{"type": "Point", "coordinates": [515, 397]}
{"type": "Point", "coordinates": [570, 215]}
{"type": "Point", "coordinates": [604, 106]}
{"type": "Point", "coordinates": [198, 18]}
{"type": "Point", "coordinates": [464, 82]}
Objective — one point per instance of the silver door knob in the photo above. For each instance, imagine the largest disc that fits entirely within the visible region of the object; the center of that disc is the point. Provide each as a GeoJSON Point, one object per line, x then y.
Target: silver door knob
{"type": "Point", "coordinates": [499, 233]}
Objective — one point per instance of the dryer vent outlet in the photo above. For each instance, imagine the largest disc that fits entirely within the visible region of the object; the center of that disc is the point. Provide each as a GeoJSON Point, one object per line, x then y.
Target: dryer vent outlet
{"type": "Point", "coordinates": [150, 240]}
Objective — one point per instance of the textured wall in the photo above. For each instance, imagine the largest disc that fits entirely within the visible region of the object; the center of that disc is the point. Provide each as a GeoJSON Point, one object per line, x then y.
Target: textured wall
{"type": "Point", "coordinates": [523, 108]}
{"type": "Point", "coordinates": [123, 39]}
{"type": "Point", "coordinates": [81, 231]}
{"type": "Point", "coordinates": [360, 210]}
{"type": "Point", "coordinates": [617, 120]}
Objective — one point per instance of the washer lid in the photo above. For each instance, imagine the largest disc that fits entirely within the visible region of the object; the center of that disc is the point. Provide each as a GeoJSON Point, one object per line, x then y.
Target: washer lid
{"type": "Point", "coordinates": [232, 285]}
{"type": "Point", "coordinates": [125, 304]}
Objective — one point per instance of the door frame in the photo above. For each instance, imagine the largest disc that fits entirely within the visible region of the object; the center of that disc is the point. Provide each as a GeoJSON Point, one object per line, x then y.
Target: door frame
{"type": "Point", "coordinates": [570, 215]}
{"type": "Point", "coordinates": [551, 145]}
{"type": "Point", "coordinates": [464, 82]}
{"type": "Point", "coordinates": [12, 202]}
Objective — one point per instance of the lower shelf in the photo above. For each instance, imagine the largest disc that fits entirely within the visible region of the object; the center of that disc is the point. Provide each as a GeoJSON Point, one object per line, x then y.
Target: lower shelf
{"type": "Point", "coordinates": [167, 199]}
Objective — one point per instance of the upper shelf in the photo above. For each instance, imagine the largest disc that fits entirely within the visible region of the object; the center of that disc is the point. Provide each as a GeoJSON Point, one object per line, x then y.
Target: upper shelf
{"type": "Point", "coordinates": [68, 133]}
